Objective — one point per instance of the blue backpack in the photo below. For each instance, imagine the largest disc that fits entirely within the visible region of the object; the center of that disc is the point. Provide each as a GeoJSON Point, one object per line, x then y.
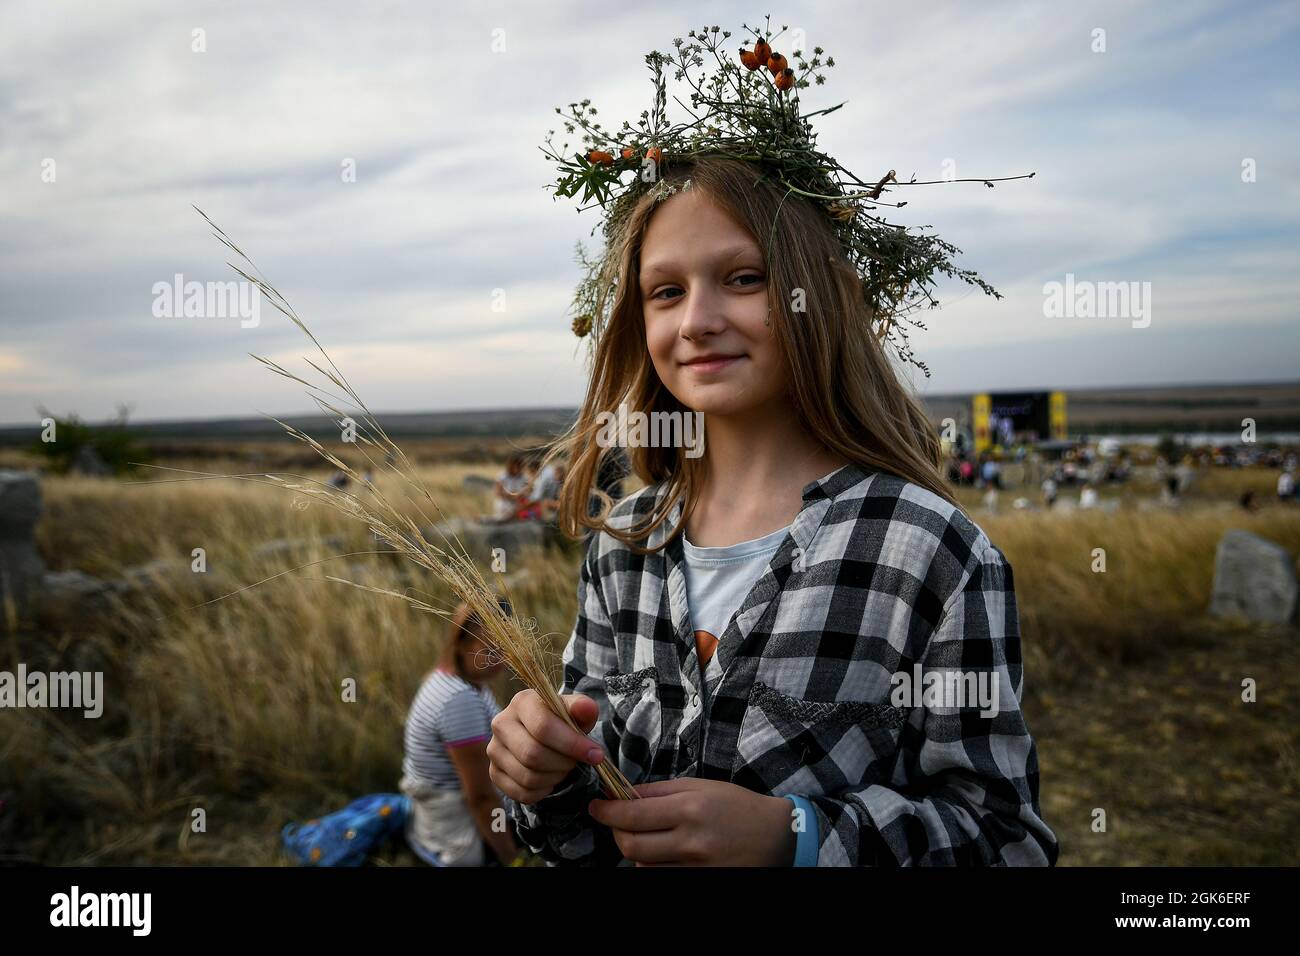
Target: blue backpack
{"type": "Point", "coordinates": [349, 836]}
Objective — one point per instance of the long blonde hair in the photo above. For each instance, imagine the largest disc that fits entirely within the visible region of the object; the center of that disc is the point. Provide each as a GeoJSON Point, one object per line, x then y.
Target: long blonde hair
{"type": "Point", "coordinates": [845, 389]}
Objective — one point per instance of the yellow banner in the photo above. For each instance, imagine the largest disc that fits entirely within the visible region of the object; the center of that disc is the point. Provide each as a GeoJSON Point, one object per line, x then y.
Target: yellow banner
{"type": "Point", "coordinates": [981, 408]}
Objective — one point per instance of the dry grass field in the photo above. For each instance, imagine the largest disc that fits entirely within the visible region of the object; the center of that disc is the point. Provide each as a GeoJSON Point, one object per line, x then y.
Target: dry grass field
{"type": "Point", "coordinates": [1133, 693]}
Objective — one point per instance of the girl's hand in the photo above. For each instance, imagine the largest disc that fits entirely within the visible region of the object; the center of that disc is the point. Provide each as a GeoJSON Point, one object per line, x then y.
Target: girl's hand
{"type": "Point", "coordinates": [693, 822]}
{"type": "Point", "coordinates": [532, 750]}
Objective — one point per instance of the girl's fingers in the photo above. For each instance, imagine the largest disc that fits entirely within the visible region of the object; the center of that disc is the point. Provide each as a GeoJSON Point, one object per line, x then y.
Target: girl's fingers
{"type": "Point", "coordinates": [513, 788]}
{"type": "Point", "coordinates": [524, 752]}
{"type": "Point", "coordinates": [552, 732]}
{"type": "Point", "coordinates": [544, 780]}
{"type": "Point", "coordinates": [645, 815]}
{"type": "Point", "coordinates": [652, 847]}
{"type": "Point", "coordinates": [661, 788]}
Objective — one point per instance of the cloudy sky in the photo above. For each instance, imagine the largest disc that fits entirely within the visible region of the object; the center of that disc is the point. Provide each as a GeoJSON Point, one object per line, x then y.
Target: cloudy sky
{"type": "Point", "coordinates": [1139, 152]}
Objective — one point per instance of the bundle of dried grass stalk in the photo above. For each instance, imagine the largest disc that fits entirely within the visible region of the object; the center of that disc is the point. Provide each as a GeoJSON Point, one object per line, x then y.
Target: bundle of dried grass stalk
{"type": "Point", "coordinates": [516, 640]}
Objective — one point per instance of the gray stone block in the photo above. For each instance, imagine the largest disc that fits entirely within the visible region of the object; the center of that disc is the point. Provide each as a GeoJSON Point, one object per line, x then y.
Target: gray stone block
{"type": "Point", "coordinates": [21, 566]}
{"type": "Point", "coordinates": [1255, 579]}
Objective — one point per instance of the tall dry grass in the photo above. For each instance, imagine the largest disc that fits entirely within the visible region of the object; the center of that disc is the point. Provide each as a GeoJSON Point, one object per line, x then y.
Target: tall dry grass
{"type": "Point", "coordinates": [1151, 598]}
{"type": "Point", "coordinates": [100, 526]}
{"type": "Point", "coordinates": [222, 699]}
{"type": "Point", "coordinates": [237, 707]}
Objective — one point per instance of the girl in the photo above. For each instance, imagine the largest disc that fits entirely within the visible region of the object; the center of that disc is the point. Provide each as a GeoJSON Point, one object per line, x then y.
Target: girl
{"type": "Point", "coordinates": [750, 624]}
{"type": "Point", "coordinates": [445, 769]}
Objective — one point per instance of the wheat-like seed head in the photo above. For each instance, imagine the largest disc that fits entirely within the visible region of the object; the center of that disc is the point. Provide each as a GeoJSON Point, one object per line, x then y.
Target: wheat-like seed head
{"type": "Point", "coordinates": [517, 641]}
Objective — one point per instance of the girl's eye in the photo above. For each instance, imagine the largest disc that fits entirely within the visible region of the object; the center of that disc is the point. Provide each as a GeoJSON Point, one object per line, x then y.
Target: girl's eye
{"type": "Point", "coordinates": [756, 277]}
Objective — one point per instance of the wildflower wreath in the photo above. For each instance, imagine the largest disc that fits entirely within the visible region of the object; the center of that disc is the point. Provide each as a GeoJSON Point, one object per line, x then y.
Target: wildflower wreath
{"type": "Point", "coordinates": [748, 108]}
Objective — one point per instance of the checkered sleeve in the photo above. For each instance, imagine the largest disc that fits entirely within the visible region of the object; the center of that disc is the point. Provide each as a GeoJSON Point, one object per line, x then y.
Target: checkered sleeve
{"type": "Point", "coordinates": [971, 791]}
{"type": "Point", "coordinates": [558, 827]}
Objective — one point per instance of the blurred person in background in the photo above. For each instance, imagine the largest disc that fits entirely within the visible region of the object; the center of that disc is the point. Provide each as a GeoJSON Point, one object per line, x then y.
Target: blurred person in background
{"type": "Point", "coordinates": [528, 507]}
{"type": "Point", "coordinates": [511, 489]}
{"type": "Point", "coordinates": [1088, 496]}
{"type": "Point", "coordinates": [546, 490]}
{"type": "Point", "coordinates": [445, 769]}
{"type": "Point", "coordinates": [1184, 471]}
{"type": "Point", "coordinates": [1049, 492]}
{"type": "Point", "coordinates": [1286, 486]}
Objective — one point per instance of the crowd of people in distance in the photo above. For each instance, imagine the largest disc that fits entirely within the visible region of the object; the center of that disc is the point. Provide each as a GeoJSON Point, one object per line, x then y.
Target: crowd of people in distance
{"type": "Point", "coordinates": [1089, 470]}
{"type": "Point", "coordinates": [525, 491]}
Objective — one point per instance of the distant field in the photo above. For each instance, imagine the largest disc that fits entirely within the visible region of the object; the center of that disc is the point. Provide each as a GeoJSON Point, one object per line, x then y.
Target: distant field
{"type": "Point", "coordinates": [1132, 691]}
{"type": "Point", "coordinates": [1095, 411]}
{"type": "Point", "coordinates": [284, 454]}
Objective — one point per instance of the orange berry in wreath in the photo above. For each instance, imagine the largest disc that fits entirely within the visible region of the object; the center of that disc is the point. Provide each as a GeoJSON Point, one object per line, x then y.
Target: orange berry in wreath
{"type": "Point", "coordinates": [601, 157]}
{"type": "Point", "coordinates": [785, 80]}
{"type": "Point", "coordinates": [776, 63]}
{"type": "Point", "coordinates": [749, 59]}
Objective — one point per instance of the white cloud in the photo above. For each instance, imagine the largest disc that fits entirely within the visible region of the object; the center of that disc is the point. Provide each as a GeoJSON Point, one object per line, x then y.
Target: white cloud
{"type": "Point", "coordinates": [1137, 153]}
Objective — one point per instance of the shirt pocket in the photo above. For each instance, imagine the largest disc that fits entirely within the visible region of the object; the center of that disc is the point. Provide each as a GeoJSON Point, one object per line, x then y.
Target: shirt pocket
{"type": "Point", "coordinates": [788, 745]}
{"type": "Point", "coordinates": [636, 717]}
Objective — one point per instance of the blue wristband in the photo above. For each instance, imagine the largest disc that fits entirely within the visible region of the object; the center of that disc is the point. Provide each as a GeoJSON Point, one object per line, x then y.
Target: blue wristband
{"type": "Point", "coordinates": [806, 846]}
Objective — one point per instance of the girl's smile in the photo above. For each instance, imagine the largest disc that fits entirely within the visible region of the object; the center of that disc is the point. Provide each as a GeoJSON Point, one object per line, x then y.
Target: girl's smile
{"type": "Point", "coordinates": [713, 364]}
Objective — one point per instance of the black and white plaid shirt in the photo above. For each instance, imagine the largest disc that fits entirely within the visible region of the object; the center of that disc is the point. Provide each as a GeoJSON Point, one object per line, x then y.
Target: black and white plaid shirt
{"type": "Point", "coordinates": [876, 575]}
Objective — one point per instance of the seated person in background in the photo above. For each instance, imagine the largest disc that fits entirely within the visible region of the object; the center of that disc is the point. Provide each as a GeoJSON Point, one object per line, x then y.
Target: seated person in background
{"type": "Point", "coordinates": [511, 490]}
{"type": "Point", "coordinates": [528, 509]}
{"type": "Point", "coordinates": [445, 769]}
{"type": "Point", "coordinates": [546, 490]}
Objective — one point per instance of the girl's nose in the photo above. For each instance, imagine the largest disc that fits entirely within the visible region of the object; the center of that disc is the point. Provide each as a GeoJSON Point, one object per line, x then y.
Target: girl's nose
{"type": "Point", "coordinates": [702, 313]}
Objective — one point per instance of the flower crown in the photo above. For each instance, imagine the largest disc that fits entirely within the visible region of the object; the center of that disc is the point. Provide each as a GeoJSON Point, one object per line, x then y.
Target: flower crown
{"type": "Point", "coordinates": [748, 108]}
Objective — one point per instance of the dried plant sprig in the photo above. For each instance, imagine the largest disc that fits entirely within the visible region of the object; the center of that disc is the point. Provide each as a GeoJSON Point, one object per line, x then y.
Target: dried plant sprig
{"type": "Point", "coordinates": [747, 107]}
{"type": "Point", "coordinates": [515, 639]}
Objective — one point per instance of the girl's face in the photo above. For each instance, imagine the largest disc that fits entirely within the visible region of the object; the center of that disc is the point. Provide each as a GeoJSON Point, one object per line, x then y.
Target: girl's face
{"type": "Point", "coordinates": [704, 294]}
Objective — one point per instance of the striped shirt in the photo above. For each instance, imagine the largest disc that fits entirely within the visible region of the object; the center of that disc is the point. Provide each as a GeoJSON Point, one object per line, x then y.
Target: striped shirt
{"type": "Point", "coordinates": [448, 711]}
{"type": "Point", "coordinates": [876, 577]}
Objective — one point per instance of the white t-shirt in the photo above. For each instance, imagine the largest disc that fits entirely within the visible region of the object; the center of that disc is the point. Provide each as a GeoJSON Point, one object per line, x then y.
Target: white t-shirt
{"type": "Point", "coordinates": [546, 486]}
{"type": "Point", "coordinates": [717, 582]}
